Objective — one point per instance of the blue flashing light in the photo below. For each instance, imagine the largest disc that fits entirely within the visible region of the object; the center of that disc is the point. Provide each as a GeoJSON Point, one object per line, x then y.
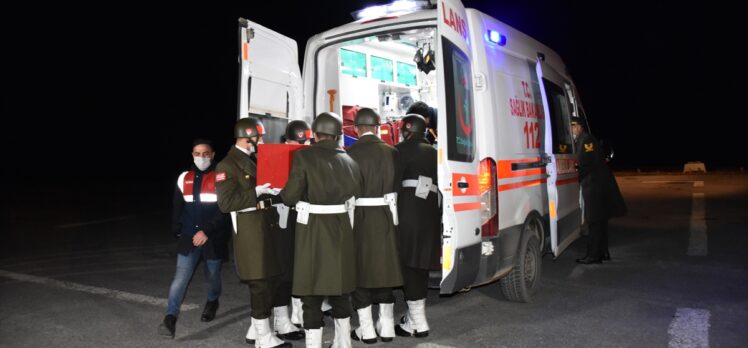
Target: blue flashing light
{"type": "Point", "coordinates": [496, 37]}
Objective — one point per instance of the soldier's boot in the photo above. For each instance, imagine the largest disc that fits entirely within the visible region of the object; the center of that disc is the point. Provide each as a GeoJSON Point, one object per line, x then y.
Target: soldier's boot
{"type": "Point", "coordinates": [265, 337]}
{"type": "Point", "coordinates": [283, 326]}
{"type": "Point", "coordinates": [414, 323]}
{"type": "Point", "coordinates": [251, 333]}
{"type": "Point", "coordinates": [386, 322]}
{"type": "Point", "coordinates": [365, 331]}
{"type": "Point", "coordinates": [313, 338]}
{"type": "Point", "coordinates": [297, 314]}
{"type": "Point", "coordinates": [342, 333]}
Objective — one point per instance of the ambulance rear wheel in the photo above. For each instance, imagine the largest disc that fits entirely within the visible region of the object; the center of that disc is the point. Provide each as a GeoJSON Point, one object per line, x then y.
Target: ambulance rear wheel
{"type": "Point", "coordinates": [520, 285]}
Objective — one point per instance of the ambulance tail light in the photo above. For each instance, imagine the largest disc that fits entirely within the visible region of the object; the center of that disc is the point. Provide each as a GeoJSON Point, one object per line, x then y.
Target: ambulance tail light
{"type": "Point", "coordinates": [489, 198]}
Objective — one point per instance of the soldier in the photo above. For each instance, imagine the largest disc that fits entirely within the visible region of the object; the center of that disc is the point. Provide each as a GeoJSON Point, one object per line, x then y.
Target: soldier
{"type": "Point", "coordinates": [378, 263]}
{"type": "Point", "coordinates": [418, 209]}
{"type": "Point", "coordinates": [323, 184]}
{"type": "Point", "coordinates": [602, 198]}
{"type": "Point", "coordinates": [297, 132]}
{"type": "Point", "coordinates": [429, 114]}
{"type": "Point", "coordinates": [254, 241]}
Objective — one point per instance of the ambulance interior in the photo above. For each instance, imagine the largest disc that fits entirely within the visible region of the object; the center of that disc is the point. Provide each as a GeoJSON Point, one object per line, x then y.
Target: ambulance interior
{"type": "Point", "coordinates": [386, 72]}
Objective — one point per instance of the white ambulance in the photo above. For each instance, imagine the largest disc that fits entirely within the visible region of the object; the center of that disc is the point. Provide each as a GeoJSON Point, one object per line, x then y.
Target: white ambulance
{"type": "Point", "coordinates": [506, 162]}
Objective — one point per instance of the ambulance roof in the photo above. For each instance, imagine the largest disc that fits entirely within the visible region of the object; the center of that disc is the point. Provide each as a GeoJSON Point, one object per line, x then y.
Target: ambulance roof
{"type": "Point", "coordinates": [518, 43]}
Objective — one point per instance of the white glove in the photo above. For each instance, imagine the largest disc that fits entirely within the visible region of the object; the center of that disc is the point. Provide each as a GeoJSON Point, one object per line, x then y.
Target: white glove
{"type": "Point", "coordinates": [263, 189]}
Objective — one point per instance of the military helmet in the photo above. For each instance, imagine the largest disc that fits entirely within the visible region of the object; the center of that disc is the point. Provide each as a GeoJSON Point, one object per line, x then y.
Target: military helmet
{"type": "Point", "coordinates": [576, 120]}
{"type": "Point", "coordinates": [366, 117]}
{"type": "Point", "coordinates": [328, 123]}
{"type": "Point", "coordinates": [248, 127]}
{"type": "Point", "coordinates": [298, 131]}
{"type": "Point", "coordinates": [413, 123]}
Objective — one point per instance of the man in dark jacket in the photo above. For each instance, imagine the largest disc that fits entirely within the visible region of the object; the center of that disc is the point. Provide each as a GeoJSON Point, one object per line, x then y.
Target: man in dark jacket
{"type": "Point", "coordinates": [378, 263]}
{"type": "Point", "coordinates": [255, 249]}
{"type": "Point", "coordinates": [323, 186]}
{"type": "Point", "coordinates": [600, 193]}
{"type": "Point", "coordinates": [203, 233]}
{"type": "Point", "coordinates": [419, 215]}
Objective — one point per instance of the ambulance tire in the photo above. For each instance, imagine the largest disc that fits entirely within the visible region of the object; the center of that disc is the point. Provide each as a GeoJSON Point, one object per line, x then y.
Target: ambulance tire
{"type": "Point", "coordinates": [520, 285]}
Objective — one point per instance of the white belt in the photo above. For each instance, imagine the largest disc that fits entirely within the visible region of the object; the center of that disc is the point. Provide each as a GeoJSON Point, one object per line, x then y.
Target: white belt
{"type": "Point", "coordinates": [283, 211]}
{"type": "Point", "coordinates": [389, 199]}
{"type": "Point", "coordinates": [303, 209]}
{"type": "Point", "coordinates": [414, 183]}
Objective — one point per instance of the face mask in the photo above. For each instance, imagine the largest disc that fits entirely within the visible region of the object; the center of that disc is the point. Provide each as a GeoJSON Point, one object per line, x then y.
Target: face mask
{"type": "Point", "coordinates": [202, 163]}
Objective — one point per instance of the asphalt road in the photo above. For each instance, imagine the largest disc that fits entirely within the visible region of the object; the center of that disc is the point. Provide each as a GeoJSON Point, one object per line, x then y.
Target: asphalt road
{"type": "Point", "coordinates": [93, 270]}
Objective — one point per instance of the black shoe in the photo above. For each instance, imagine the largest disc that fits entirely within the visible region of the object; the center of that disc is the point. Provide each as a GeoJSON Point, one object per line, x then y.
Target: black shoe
{"type": "Point", "coordinates": [292, 336]}
{"type": "Point", "coordinates": [367, 341]}
{"type": "Point", "coordinates": [249, 341]}
{"type": "Point", "coordinates": [589, 260]}
{"type": "Point", "coordinates": [386, 339]}
{"type": "Point", "coordinates": [209, 312]}
{"type": "Point", "coordinates": [606, 256]}
{"type": "Point", "coordinates": [168, 326]}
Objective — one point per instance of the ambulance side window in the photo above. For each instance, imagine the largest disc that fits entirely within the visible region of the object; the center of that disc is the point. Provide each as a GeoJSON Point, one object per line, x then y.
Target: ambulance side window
{"type": "Point", "coordinates": [459, 113]}
{"type": "Point", "coordinates": [560, 113]}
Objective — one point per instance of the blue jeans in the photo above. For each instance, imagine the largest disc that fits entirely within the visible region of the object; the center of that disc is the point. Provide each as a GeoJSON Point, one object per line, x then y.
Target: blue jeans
{"type": "Point", "coordinates": [185, 269]}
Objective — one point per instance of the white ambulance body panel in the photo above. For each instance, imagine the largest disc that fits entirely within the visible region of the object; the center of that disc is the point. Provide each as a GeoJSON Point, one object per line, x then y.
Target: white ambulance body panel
{"type": "Point", "coordinates": [506, 165]}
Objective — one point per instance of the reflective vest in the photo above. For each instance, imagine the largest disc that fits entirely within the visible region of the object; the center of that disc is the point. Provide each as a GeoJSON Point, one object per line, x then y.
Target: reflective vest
{"type": "Point", "coordinates": [207, 187]}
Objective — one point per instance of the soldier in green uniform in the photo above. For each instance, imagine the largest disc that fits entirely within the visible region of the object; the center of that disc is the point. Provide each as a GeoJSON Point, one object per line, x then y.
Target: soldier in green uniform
{"type": "Point", "coordinates": [323, 186]}
{"type": "Point", "coordinates": [254, 241]}
{"type": "Point", "coordinates": [377, 259]}
{"type": "Point", "coordinates": [418, 209]}
{"type": "Point", "coordinates": [602, 198]}
{"type": "Point", "coordinates": [297, 132]}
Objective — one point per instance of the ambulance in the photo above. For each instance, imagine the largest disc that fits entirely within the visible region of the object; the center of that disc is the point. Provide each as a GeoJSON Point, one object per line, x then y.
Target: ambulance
{"type": "Point", "coordinates": [506, 162]}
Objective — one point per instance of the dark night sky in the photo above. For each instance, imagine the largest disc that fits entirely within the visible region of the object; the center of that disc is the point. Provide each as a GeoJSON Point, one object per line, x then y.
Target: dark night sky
{"type": "Point", "coordinates": [109, 90]}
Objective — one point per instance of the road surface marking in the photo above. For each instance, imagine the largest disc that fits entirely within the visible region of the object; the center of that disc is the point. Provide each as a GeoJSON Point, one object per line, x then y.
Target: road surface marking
{"type": "Point", "coordinates": [689, 328]}
{"type": "Point", "coordinates": [115, 294]}
{"type": "Point", "coordinates": [697, 241]}
{"type": "Point", "coordinates": [431, 345]}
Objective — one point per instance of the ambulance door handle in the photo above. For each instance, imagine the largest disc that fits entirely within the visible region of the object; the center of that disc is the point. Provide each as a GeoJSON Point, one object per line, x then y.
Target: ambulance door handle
{"type": "Point", "coordinates": [463, 185]}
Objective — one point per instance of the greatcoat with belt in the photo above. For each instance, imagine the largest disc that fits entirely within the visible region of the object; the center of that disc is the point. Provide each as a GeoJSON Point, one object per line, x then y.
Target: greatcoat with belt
{"type": "Point", "coordinates": [255, 249]}
{"type": "Point", "coordinates": [324, 258]}
{"type": "Point", "coordinates": [378, 261]}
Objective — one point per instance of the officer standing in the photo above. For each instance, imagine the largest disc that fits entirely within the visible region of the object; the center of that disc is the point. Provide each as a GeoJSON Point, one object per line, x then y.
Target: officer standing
{"type": "Point", "coordinates": [254, 241]}
{"type": "Point", "coordinates": [377, 259]}
{"type": "Point", "coordinates": [418, 209]}
{"type": "Point", "coordinates": [297, 132]}
{"type": "Point", "coordinates": [602, 199]}
{"type": "Point", "coordinates": [323, 185]}
{"type": "Point", "coordinates": [203, 232]}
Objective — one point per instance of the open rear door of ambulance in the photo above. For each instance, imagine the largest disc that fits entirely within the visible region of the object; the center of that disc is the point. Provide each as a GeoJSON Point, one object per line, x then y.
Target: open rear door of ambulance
{"type": "Point", "coordinates": [270, 85]}
{"type": "Point", "coordinates": [458, 160]}
{"type": "Point", "coordinates": [562, 182]}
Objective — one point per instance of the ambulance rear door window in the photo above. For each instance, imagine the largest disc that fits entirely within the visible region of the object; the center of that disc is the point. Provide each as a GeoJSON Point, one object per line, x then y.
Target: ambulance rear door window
{"type": "Point", "coordinates": [459, 113]}
{"type": "Point", "coordinates": [560, 113]}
